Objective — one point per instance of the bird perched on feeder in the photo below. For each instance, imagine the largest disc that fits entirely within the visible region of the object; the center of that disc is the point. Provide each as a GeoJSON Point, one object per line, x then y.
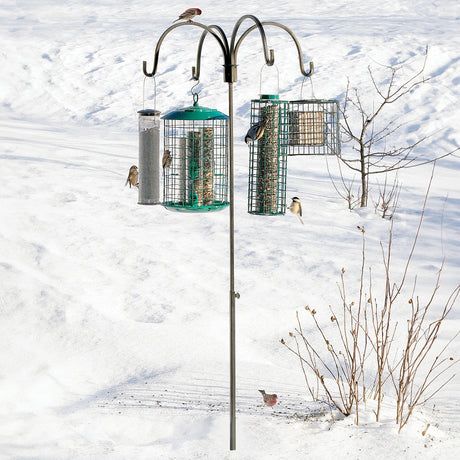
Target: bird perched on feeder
{"type": "Point", "coordinates": [189, 14]}
{"type": "Point", "coordinates": [166, 160]}
{"type": "Point", "coordinates": [269, 400]}
{"type": "Point", "coordinates": [256, 131]}
{"type": "Point", "coordinates": [133, 177]}
{"type": "Point", "coordinates": [296, 208]}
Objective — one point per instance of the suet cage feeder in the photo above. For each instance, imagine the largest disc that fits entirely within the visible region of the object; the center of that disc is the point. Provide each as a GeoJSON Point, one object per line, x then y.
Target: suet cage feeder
{"type": "Point", "coordinates": [197, 177]}
{"type": "Point", "coordinates": [314, 127]}
{"type": "Point", "coordinates": [268, 158]}
{"type": "Point", "coordinates": [149, 157]}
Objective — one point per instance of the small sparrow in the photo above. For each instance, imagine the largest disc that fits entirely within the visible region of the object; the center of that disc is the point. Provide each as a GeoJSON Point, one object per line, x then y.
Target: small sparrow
{"type": "Point", "coordinates": [133, 177]}
{"type": "Point", "coordinates": [189, 14]}
{"type": "Point", "coordinates": [296, 208]}
{"type": "Point", "coordinates": [269, 400]}
{"type": "Point", "coordinates": [166, 160]}
{"type": "Point", "coordinates": [256, 131]}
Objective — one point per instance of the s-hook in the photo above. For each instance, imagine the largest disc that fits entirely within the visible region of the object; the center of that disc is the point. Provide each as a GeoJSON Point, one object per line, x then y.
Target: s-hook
{"type": "Point", "coordinates": [195, 93]}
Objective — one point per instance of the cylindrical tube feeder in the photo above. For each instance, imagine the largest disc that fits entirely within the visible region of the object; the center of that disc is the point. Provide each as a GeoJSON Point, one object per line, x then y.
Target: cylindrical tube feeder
{"type": "Point", "coordinates": [268, 158]}
{"type": "Point", "coordinates": [196, 178]}
{"type": "Point", "coordinates": [314, 127]}
{"type": "Point", "coordinates": [149, 157]}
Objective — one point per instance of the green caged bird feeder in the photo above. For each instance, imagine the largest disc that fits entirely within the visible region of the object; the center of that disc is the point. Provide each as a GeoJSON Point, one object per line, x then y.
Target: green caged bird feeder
{"type": "Point", "coordinates": [268, 157]}
{"type": "Point", "coordinates": [196, 179]}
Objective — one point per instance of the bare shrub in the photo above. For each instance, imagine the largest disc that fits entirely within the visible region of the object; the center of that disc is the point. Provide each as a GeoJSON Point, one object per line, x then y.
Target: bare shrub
{"type": "Point", "coordinates": [365, 330]}
{"type": "Point", "coordinates": [388, 198]}
{"type": "Point", "coordinates": [411, 389]}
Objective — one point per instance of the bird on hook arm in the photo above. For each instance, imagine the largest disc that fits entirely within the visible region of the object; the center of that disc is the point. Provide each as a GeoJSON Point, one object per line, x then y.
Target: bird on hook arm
{"type": "Point", "coordinates": [189, 14]}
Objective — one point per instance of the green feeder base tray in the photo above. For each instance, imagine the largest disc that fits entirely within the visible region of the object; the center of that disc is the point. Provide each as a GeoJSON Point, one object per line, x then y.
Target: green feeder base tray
{"type": "Point", "coordinates": [181, 207]}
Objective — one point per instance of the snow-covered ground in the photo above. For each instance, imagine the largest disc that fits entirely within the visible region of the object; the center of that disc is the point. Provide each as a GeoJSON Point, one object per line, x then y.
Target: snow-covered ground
{"type": "Point", "coordinates": [114, 316]}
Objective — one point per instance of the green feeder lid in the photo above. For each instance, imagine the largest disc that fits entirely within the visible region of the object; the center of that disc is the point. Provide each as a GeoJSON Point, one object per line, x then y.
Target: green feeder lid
{"type": "Point", "coordinates": [195, 112]}
{"type": "Point", "coordinates": [269, 96]}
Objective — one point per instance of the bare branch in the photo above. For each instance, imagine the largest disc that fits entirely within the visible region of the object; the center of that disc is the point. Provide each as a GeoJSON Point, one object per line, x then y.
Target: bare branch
{"type": "Point", "coordinates": [370, 157]}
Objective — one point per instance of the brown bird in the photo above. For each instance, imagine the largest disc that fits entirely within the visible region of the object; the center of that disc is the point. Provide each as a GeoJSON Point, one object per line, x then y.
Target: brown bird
{"type": "Point", "coordinates": [167, 159]}
{"type": "Point", "coordinates": [189, 14]}
{"type": "Point", "coordinates": [269, 400]}
{"type": "Point", "coordinates": [133, 177]}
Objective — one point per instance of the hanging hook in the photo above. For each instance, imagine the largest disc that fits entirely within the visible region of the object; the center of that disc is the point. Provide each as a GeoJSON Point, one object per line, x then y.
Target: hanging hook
{"type": "Point", "coordinates": [312, 90]}
{"type": "Point", "coordinates": [154, 93]}
{"type": "Point", "coordinates": [195, 93]}
{"type": "Point", "coordinates": [270, 61]}
{"type": "Point", "coordinates": [278, 77]}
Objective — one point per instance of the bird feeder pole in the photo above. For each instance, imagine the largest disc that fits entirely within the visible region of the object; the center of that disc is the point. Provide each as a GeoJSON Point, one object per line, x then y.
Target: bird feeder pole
{"type": "Point", "coordinates": [230, 52]}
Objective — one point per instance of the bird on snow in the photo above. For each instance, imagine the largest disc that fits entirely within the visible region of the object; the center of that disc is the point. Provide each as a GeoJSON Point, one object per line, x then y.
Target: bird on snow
{"type": "Point", "coordinates": [296, 208]}
{"type": "Point", "coordinates": [133, 177]}
{"type": "Point", "coordinates": [269, 400]}
{"type": "Point", "coordinates": [256, 131]}
{"type": "Point", "coordinates": [166, 160]}
{"type": "Point", "coordinates": [189, 14]}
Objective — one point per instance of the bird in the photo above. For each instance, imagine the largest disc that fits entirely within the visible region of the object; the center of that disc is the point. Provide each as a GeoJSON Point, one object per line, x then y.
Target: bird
{"type": "Point", "coordinates": [189, 14]}
{"type": "Point", "coordinates": [166, 160]}
{"type": "Point", "coordinates": [269, 400]}
{"type": "Point", "coordinates": [296, 208]}
{"type": "Point", "coordinates": [256, 131]}
{"type": "Point", "coordinates": [133, 177]}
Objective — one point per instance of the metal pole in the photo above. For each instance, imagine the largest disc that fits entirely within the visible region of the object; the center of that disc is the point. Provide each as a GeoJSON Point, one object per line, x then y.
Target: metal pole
{"type": "Point", "coordinates": [230, 76]}
{"type": "Point", "coordinates": [232, 280]}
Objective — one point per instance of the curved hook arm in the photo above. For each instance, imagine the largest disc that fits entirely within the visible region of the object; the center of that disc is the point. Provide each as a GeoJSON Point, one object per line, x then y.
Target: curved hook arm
{"type": "Point", "coordinates": [197, 69]}
{"type": "Point", "coordinates": [269, 58]}
{"type": "Point", "coordinates": [299, 49]}
{"type": "Point", "coordinates": [224, 46]}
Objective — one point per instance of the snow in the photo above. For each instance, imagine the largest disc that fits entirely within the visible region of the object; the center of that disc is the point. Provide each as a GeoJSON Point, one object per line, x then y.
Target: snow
{"type": "Point", "coordinates": [114, 316]}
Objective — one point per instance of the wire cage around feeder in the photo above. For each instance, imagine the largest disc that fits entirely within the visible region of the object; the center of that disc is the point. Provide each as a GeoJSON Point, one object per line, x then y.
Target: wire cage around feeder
{"type": "Point", "coordinates": [196, 179]}
{"type": "Point", "coordinates": [314, 127]}
{"type": "Point", "coordinates": [268, 158]}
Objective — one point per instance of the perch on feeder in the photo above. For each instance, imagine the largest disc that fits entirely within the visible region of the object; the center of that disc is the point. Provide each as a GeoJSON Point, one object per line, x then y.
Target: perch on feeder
{"type": "Point", "coordinates": [196, 179]}
{"type": "Point", "coordinates": [314, 127]}
{"type": "Point", "coordinates": [149, 156]}
{"type": "Point", "coordinates": [268, 158]}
